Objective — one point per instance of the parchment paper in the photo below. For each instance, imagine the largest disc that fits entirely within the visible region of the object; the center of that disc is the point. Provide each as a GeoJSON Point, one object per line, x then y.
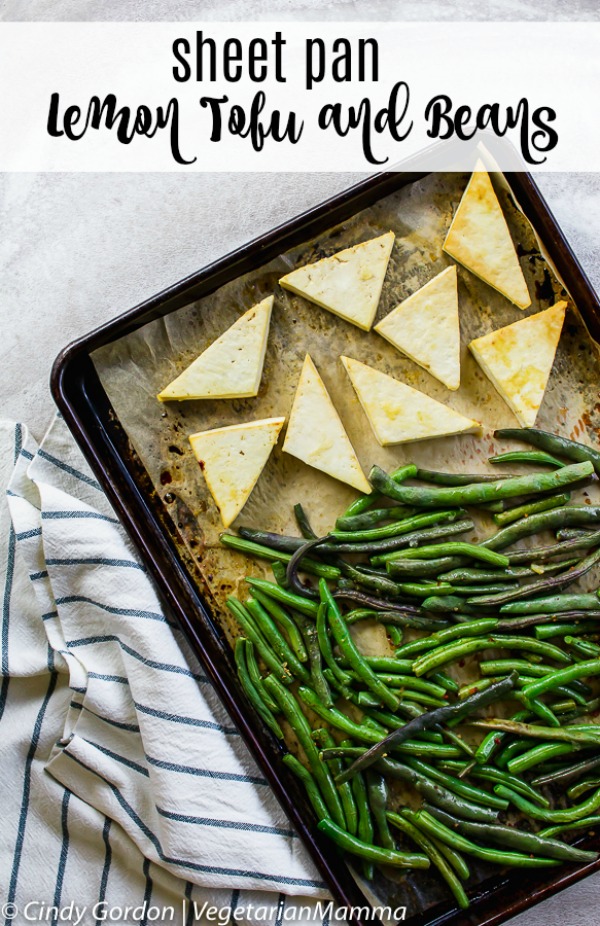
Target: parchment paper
{"type": "Point", "coordinates": [134, 369]}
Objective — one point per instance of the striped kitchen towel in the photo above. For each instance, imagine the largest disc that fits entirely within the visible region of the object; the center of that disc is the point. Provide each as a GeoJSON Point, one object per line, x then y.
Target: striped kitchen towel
{"type": "Point", "coordinates": [115, 728]}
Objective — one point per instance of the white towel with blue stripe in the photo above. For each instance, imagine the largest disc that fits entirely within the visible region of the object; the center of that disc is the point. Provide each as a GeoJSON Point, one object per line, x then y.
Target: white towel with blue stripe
{"type": "Point", "coordinates": [126, 769]}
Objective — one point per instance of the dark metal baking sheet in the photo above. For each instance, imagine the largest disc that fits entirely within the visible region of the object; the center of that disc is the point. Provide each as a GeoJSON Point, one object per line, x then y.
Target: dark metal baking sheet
{"type": "Point", "coordinates": [88, 412]}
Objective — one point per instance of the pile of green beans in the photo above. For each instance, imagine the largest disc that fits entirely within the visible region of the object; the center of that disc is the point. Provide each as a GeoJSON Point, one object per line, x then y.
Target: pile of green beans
{"type": "Point", "coordinates": [475, 733]}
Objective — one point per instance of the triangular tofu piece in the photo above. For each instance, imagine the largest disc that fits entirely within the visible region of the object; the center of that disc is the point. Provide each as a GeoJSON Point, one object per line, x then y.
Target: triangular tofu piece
{"type": "Point", "coordinates": [232, 459]}
{"type": "Point", "coordinates": [316, 435]}
{"type": "Point", "coordinates": [480, 240]}
{"type": "Point", "coordinates": [425, 328]}
{"type": "Point", "coordinates": [348, 283]}
{"type": "Point", "coordinates": [518, 359]}
{"type": "Point", "coordinates": [398, 413]}
{"type": "Point", "coordinates": [232, 366]}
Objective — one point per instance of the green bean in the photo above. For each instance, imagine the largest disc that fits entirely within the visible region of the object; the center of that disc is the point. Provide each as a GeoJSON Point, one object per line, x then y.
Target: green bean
{"type": "Point", "coordinates": [573, 533]}
{"type": "Point", "coordinates": [539, 708]}
{"type": "Point", "coordinates": [552, 604]}
{"type": "Point", "coordinates": [472, 687]}
{"type": "Point", "coordinates": [457, 740]}
{"type": "Point", "coordinates": [377, 791]}
{"type": "Point", "coordinates": [337, 719]}
{"type": "Point", "coordinates": [591, 707]}
{"type": "Point", "coordinates": [411, 710]}
{"type": "Point", "coordinates": [284, 597]}
{"type": "Point", "coordinates": [346, 544]}
{"type": "Point", "coordinates": [471, 793]}
{"type": "Point", "coordinates": [262, 647]}
{"type": "Point", "coordinates": [325, 646]}
{"type": "Point", "coordinates": [497, 856]}
{"type": "Point", "coordinates": [394, 634]}
{"type": "Point", "coordinates": [363, 502]}
{"type": "Point", "coordinates": [404, 526]}
{"type": "Point", "coordinates": [491, 589]}
{"type": "Point", "coordinates": [541, 554]}
{"type": "Point", "coordinates": [423, 568]}
{"type": "Point", "coordinates": [544, 520]}
{"type": "Point", "coordinates": [394, 680]}
{"type": "Point", "coordinates": [385, 550]}
{"type": "Point", "coordinates": [386, 664]}
{"type": "Point", "coordinates": [563, 677]}
{"type": "Point", "coordinates": [360, 505]}
{"type": "Point", "coordinates": [513, 838]}
{"type": "Point", "coordinates": [568, 709]}
{"type": "Point", "coordinates": [580, 735]}
{"type": "Point", "coordinates": [483, 576]}
{"type": "Point", "coordinates": [421, 748]}
{"type": "Point", "coordinates": [489, 773]}
{"type": "Point", "coordinates": [255, 676]}
{"type": "Point", "coordinates": [367, 699]}
{"type": "Point", "coordinates": [279, 574]}
{"type": "Point", "coordinates": [451, 548]}
{"type": "Point", "coordinates": [372, 601]}
{"type": "Point", "coordinates": [372, 517]}
{"type": "Point", "coordinates": [527, 456]}
{"type": "Point", "coordinates": [324, 740]}
{"type": "Point", "coordinates": [436, 793]}
{"type": "Point", "coordinates": [548, 631]}
{"type": "Point", "coordinates": [552, 443]}
{"type": "Point", "coordinates": [281, 543]}
{"type": "Point", "coordinates": [278, 643]}
{"type": "Point", "coordinates": [303, 522]}
{"type": "Point", "coordinates": [406, 825]}
{"type": "Point", "coordinates": [311, 640]}
{"type": "Point", "coordinates": [312, 790]}
{"type": "Point", "coordinates": [585, 647]}
{"type": "Point", "coordinates": [253, 694]}
{"type": "Point", "coordinates": [476, 493]}
{"type": "Point", "coordinates": [415, 621]}
{"type": "Point", "coordinates": [375, 582]}
{"type": "Point", "coordinates": [457, 479]}
{"type": "Point", "coordinates": [426, 721]}
{"type": "Point", "coordinates": [297, 721]}
{"type": "Point", "coordinates": [523, 622]}
{"type": "Point", "coordinates": [371, 723]}
{"type": "Point", "coordinates": [342, 752]}
{"type": "Point", "coordinates": [280, 615]}
{"type": "Point", "coordinates": [417, 590]}
{"type": "Point", "coordinates": [465, 647]}
{"type": "Point", "coordinates": [558, 581]}
{"type": "Point", "coordinates": [488, 746]}
{"type": "Point", "coordinates": [350, 652]}
{"type": "Point", "coordinates": [450, 603]}
{"type": "Point", "coordinates": [444, 681]}
{"type": "Point", "coordinates": [581, 787]}
{"type": "Point", "coordinates": [416, 748]}
{"type": "Point", "coordinates": [551, 831]}
{"type": "Point", "coordinates": [502, 666]}
{"type": "Point", "coordinates": [365, 830]}
{"type": "Point", "coordinates": [537, 755]}
{"type": "Point", "coordinates": [355, 846]}
{"type": "Point", "coordinates": [524, 511]}
{"type": "Point", "coordinates": [570, 815]}
{"type": "Point", "coordinates": [262, 552]}
{"type": "Point", "coordinates": [455, 859]}
{"type": "Point", "coordinates": [473, 628]}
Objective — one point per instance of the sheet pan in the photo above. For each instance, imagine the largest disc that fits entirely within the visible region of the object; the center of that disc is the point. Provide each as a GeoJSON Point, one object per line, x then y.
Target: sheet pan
{"type": "Point", "coordinates": [106, 386]}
